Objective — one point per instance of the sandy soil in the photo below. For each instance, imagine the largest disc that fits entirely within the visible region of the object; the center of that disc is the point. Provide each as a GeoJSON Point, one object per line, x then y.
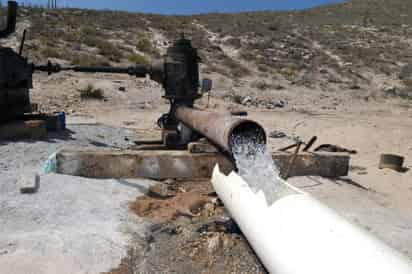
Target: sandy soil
{"type": "Point", "coordinates": [369, 124]}
{"type": "Point", "coordinates": [364, 121]}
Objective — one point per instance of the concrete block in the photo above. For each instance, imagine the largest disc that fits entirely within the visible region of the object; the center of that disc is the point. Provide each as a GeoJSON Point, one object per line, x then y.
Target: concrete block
{"type": "Point", "coordinates": [28, 183]}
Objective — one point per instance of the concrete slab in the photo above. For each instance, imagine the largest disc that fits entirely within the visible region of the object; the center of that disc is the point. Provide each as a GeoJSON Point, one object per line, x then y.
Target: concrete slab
{"type": "Point", "coordinates": [73, 226]}
{"type": "Point", "coordinates": [184, 165]}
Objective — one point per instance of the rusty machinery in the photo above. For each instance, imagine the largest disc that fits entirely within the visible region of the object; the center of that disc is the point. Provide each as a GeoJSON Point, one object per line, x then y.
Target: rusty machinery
{"type": "Point", "coordinates": [15, 74]}
{"type": "Point", "coordinates": [178, 73]}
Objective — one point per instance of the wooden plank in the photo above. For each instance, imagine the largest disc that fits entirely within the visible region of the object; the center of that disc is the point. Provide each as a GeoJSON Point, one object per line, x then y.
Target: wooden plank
{"type": "Point", "coordinates": [324, 164]}
{"type": "Point", "coordinates": [140, 164]}
{"type": "Point", "coordinates": [183, 164]}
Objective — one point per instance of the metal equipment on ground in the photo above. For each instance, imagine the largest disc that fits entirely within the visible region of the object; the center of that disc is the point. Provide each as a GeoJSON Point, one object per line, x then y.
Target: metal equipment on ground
{"type": "Point", "coordinates": [178, 73]}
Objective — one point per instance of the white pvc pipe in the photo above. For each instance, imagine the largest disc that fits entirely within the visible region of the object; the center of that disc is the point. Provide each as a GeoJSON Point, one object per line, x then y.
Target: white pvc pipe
{"type": "Point", "coordinates": [297, 234]}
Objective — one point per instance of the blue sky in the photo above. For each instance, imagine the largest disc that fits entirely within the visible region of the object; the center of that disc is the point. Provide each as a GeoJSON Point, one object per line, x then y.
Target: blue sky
{"type": "Point", "coordinates": [191, 6]}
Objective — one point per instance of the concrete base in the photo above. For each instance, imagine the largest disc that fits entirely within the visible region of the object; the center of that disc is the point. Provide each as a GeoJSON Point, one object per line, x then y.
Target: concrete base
{"type": "Point", "coordinates": [161, 165]}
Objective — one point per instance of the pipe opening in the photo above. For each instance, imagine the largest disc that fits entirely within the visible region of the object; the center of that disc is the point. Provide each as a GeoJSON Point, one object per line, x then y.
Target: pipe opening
{"type": "Point", "coordinates": [247, 134]}
{"type": "Point", "coordinates": [254, 162]}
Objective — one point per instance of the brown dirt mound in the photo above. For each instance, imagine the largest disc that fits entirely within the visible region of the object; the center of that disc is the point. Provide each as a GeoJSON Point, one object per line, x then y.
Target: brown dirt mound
{"type": "Point", "coordinates": [167, 209]}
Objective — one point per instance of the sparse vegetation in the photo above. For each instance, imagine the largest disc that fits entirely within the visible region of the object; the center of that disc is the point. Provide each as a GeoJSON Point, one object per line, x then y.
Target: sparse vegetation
{"type": "Point", "coordinates": [109, 50]}
{"type": "Point", "coordinates": [137, 59]}
{"type": "Point", "coordinates": [87, 60]}
{"type": "Point", "coordinates": [51, 52]}
{"type": "Point", "coordinates": [349, 39]}
{"type": "Point", "coordinates": [261, 85]}
{"type": "Point", "coordinates": [144, 45]}
{"type": "Point", "coordinates": [90, 92]}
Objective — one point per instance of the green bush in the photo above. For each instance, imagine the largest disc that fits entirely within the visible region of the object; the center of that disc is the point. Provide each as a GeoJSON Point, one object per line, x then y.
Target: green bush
{"type": "Point", "coordinates": [89, 31]}
{"type": "Point", "coordinates": [261, 85]}
{"type": "Point", "coordinates": [137, 59]}
{"type": "Point", "coordinates": [50, 52]}
{"type": "Point", "coordinates": [144, 45]}
{"type": "Point", "coordinates": [92, 41]}
{"type": "Point", "coordinates": [86, 60]}
{"type": "Point", "coordinates": [109, 50]}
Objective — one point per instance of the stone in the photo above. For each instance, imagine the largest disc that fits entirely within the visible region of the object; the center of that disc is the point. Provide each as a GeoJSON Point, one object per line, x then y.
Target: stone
{"type": "Point", "coordinates": [246, 100]}
{"type": "Point", "coordinates": [214, 243]}
{"type": "Point", "coordinates": [389, 90]}
{"type": "Point", "coordinates": [162, 191]}
{"type": "Point", "coordinates": [202, 147]}
{"type": "Point", "coordinates": [277, 134]}
{"type": "Point", "coordinates": [28, 183]}
{"type": "Point", "coordinates": [280, 104]}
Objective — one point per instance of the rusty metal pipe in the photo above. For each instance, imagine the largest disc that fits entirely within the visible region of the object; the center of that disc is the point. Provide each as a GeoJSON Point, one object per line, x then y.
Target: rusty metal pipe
{"type": "Point", "coordinates": [11, 19]}
{"type": "Point", "coordinates": [219, 128]}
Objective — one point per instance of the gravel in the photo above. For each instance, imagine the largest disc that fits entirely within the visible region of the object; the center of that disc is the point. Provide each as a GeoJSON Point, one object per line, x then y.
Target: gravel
{"type": "Point", "coordinates": [71, 225]}
{"type": "Point", "coordinates": [28, 155]}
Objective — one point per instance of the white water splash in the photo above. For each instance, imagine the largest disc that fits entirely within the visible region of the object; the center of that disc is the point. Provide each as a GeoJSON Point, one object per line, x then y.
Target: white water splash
{"type": "Point", "coordinates": [255, 165]}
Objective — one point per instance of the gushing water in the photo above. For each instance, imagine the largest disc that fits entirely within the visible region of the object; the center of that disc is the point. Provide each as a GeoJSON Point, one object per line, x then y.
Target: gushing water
{"type": "Point", "coordinates": [255, 165]}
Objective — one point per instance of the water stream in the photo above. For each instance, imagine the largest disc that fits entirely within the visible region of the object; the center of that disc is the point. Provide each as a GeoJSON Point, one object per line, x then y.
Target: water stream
{"type": "Point", "coordinates": [256, 166]}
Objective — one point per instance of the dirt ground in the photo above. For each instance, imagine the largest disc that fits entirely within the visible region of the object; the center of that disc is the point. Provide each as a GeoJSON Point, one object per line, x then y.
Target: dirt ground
{"type": "Point", "coordinates": [371, 126]}
{"type": "Point", "coordinates": [190, 231]}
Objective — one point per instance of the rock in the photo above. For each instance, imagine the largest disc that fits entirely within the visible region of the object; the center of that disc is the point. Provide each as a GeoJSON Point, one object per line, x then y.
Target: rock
{"type": "Point", "coordinates": [354, 86]}
{"type": "Point", "coordinates": [28, 183]}
{"type": "Point", "coordinates": [323, 71]}
{"type": "Point", "coordinates": [246, 100]}
{"type": "Point", "coordinates": [202, 147]}
{"type": "Point", "coordinates": [280, 104]}
{"type": "Point", "coordinates": [214, 243]}
{"type": "Point", "coordinates": [169, 181]}
{"type": "Point", "coordinates": [147, 105]}
{"type": "Point", "coordinates": [161, 191]}
{"type": "Point", "coordinates": [208, 210]}
{"type": "Point", "coordinates": [390, 90]}
{"type": "Point", "coordinates": [144, 105]}
{"type": "Point", "coordinates": [129, 123]}
{"type": "Point", "coordinates": [221, 225]}
{"type": "Point", "coordinates": [277, 134]}
{"type": "Point", "coordinates": [276, 104]}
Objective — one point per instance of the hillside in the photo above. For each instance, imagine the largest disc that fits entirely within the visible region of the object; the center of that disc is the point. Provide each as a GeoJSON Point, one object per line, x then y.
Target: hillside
{"type": "Point", "coordinates": [359, 45]}
{"type": "Point", "coordinates": [341, 73]}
